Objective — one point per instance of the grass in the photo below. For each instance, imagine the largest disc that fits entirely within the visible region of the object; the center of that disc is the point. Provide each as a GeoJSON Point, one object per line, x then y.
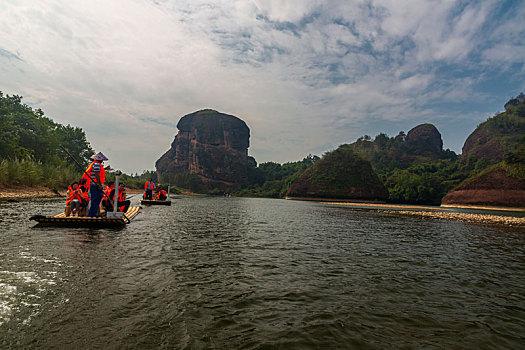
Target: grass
{"type": "Point", "coordinates": [30, 173]}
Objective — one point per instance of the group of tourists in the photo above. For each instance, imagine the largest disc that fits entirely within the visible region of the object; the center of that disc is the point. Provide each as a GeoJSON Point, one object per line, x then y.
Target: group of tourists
{"type": "Point", "coordinates": [92, 192]}
{"type": "Point", "coordinates": [149, 188]}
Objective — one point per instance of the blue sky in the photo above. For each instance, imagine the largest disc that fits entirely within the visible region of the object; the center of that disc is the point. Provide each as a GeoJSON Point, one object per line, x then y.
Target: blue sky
{"type": "Point", "coordinates": [305, 75]}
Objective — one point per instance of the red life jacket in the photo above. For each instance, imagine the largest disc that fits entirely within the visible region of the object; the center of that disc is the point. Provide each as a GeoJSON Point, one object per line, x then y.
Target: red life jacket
{"type": "Point", "coordinates": [75, 196]}
{"type": "Point", "coordinates": [121, 197]}
{"type": "Point", "coordinates": [85, 193]}
{"type": "Point", "coordinates": [149, 185]}
{"type": "Point", "coordinates": [163, 194]}
{"type": "Point", "coordinates": [92, 176]}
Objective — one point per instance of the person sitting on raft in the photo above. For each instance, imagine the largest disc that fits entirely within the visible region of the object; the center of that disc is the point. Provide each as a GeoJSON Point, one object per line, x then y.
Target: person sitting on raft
{"type": "Point", "coordinates": [123, 203]}
{"type": "Point", "coordinates": [107, 190]}
{"type": "Point", "coordinates": [84, 194]}
{"type": "Point", "coordinates": [161, 195]}
{"type": "Point", "coordinates": [74, 198]}
{"type": "Point", "coordinates": [148, 189]}
{"type": "Point", "coordinates": [95, 175]}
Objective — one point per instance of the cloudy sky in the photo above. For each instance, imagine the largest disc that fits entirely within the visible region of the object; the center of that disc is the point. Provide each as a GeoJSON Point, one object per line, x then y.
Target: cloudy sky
{"type": "Point", "coordinates": [305, 75]}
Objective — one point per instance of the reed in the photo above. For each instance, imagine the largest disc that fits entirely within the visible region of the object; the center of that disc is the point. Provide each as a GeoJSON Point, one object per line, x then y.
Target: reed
{"type": "Point", "coordinates": [27, 172]}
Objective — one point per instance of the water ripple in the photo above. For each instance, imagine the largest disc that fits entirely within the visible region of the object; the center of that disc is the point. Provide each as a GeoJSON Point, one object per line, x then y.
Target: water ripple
{"type": "Point", "coordinates": [219, 273]}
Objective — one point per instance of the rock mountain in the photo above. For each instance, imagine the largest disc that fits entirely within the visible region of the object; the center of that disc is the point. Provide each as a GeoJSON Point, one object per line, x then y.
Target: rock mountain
{"type": "Point", "coordinates": [495, 152]}
{"type": "Point", "coordinates": [210, 151]}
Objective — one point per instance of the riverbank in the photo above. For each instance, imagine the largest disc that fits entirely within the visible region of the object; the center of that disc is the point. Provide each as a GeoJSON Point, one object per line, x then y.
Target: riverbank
{"type": "Point", "coordinates": [385, 205]}
{"type": "Point", "coordinates": [443, 213]}
{"type": "Point", "coordinates": [482, 207]}
{"type": "Point", "coordinates": [466, 217]}
{"type": "Point", "coordinates": [25, 192]}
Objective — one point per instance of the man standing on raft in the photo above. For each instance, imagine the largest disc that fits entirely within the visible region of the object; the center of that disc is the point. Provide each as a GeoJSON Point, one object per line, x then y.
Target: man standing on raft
{"type": "Point", "coordinates": [95, 176]}
{"type": "Point", "coordinates": [148, 189]}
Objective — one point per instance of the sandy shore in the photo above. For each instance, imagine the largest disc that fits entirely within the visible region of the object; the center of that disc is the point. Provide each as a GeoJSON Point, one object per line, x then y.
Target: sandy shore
{"type": "Point", "coordinates": [443, 213]}
{"type": "Point", "coordinates": [480, 207]}
{"type": "Point", "coordinates": [479, 218]}
{"type": "Point", "coordinates": [384, 205]}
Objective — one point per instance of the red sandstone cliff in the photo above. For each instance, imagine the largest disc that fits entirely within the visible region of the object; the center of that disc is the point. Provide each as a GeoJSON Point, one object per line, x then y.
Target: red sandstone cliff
{"type": "Point", "coordinates": [210, 146]}
{"type": "Point", "coordinates": [494, 188]}
{"type": "Point", "coordinates": [499, 140]}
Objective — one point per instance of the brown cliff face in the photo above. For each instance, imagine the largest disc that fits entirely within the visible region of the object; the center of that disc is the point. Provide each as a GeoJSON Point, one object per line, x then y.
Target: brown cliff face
{"type": "Point", "coordinates": [501, 140]}
{"type": "Point", "coordinates": [210, 146]}
{"type": "Point", "coordinates": [494, 188]}
{"type": "Point", "coordinates": [424, 140]}
{"type": "Point", "coordinates": [480, 144]}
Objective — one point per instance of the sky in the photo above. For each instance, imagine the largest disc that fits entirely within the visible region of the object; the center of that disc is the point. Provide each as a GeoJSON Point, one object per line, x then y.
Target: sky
{"type": "Point", "coordinates": [305, 75]}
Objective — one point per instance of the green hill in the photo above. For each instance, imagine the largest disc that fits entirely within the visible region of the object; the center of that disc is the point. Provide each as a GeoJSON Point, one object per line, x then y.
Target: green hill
{"type": "Point", "coordinates": [340, 174]}
{"type": "Point", "coordinates": [414, 167]}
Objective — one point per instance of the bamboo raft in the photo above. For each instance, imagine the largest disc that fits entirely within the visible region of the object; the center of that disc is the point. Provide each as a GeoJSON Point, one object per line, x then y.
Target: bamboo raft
{"type": "Point", "coordinates": [155, 202]}
{"type": "Point", "coordinates": [68, 221]}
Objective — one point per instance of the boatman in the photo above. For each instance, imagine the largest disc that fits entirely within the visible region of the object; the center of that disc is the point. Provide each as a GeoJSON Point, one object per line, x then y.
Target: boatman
{"type": "Point", "coordinates": [95, 176]}
{"type": "Point", "coordinates": [149, 187]}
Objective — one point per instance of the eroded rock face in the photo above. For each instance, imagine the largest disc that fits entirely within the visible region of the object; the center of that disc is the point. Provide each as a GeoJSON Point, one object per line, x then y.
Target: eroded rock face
{"type": "Point", "coordinates": [481, 144]}
{"type": "Point", "coordinates": [211, 146]}
{"type": "Point", "coordinates": [494, 188]}
{"type": "Point", "coordinates": [424, 139]}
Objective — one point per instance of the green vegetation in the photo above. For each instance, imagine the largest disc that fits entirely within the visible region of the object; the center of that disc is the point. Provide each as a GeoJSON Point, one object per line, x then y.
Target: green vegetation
{"type": "Point", "coordinates": [30, 153]}
{"type": "Point", "coordinates": [411, 173]}
{"type": "Point", "coordinates": [514, 161]}
{"type": "Point", "coordinates": [272, 179]}
{"type": "Point", "coordinates": [340, 174]}
{"type": "Point", "coordinates": [424, 183]}
{"type": "Point", "coordinates": [29, 147]}
{"type": "Point", "coordinates": [341, 167]}
{"type": "Point", "coordinates": [26, 172]}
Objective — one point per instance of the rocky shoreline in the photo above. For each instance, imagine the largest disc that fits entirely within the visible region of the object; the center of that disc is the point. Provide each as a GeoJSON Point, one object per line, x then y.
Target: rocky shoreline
{"type": "Point", "coordinates": [466, 217]}
{"type": "Point", "coordinates": [442, 213]}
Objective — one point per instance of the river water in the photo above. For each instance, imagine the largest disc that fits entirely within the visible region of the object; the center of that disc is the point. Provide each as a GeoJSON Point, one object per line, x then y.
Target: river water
{"type": "Point", "coordinates": [230, 273]}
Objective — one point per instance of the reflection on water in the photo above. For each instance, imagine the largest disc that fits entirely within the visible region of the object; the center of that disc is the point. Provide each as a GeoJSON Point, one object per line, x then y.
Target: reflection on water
{"type": "Point", "coordinates": [258, 273]}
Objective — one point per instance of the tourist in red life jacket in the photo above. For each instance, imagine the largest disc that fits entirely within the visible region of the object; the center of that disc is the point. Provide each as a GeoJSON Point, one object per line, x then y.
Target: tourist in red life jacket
{"type": "Point", "coordinates": [74, 198]}
{"type": "Point", "coordinates": [148, 188]}
{"type": "Point", "coordinates": [123, 204]}
{"type": "Point", "coordinates": [107, 191]}
{"type": "Point", "coordinates": [84, 194]}
{"type": "Point", "coordinates": [161, 195]}
{"type": "Point", "coordinates": [95, 176]}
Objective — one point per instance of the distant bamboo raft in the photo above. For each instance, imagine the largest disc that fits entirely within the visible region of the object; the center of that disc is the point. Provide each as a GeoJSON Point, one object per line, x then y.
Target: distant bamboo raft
{"type": "Point", "coordinates": [62, 220]}
{"type": "Point", "coordinates": [154, 202]}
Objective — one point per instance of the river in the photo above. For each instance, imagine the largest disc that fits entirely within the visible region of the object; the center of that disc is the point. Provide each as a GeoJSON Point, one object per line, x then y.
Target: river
{"type": "Point", "coordinates": [230, 273]}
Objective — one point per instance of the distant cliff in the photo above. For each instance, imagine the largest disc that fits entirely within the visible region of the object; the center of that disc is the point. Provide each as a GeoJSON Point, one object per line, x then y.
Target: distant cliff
{"type": "Point", "coordinates": [494, 157]}
{"type": "Point", "coordinates": [497, 136]}
{"type": "Point", "coordinates": [209, 152]}
{"type": "Point", "coordinates": [340, 174]}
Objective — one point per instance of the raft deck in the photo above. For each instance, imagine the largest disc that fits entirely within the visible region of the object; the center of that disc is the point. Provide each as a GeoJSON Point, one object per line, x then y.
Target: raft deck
{"type": "Point", "coordinates": [155, 202]}
{"type": "Point", "coordinates": [69, 221]}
